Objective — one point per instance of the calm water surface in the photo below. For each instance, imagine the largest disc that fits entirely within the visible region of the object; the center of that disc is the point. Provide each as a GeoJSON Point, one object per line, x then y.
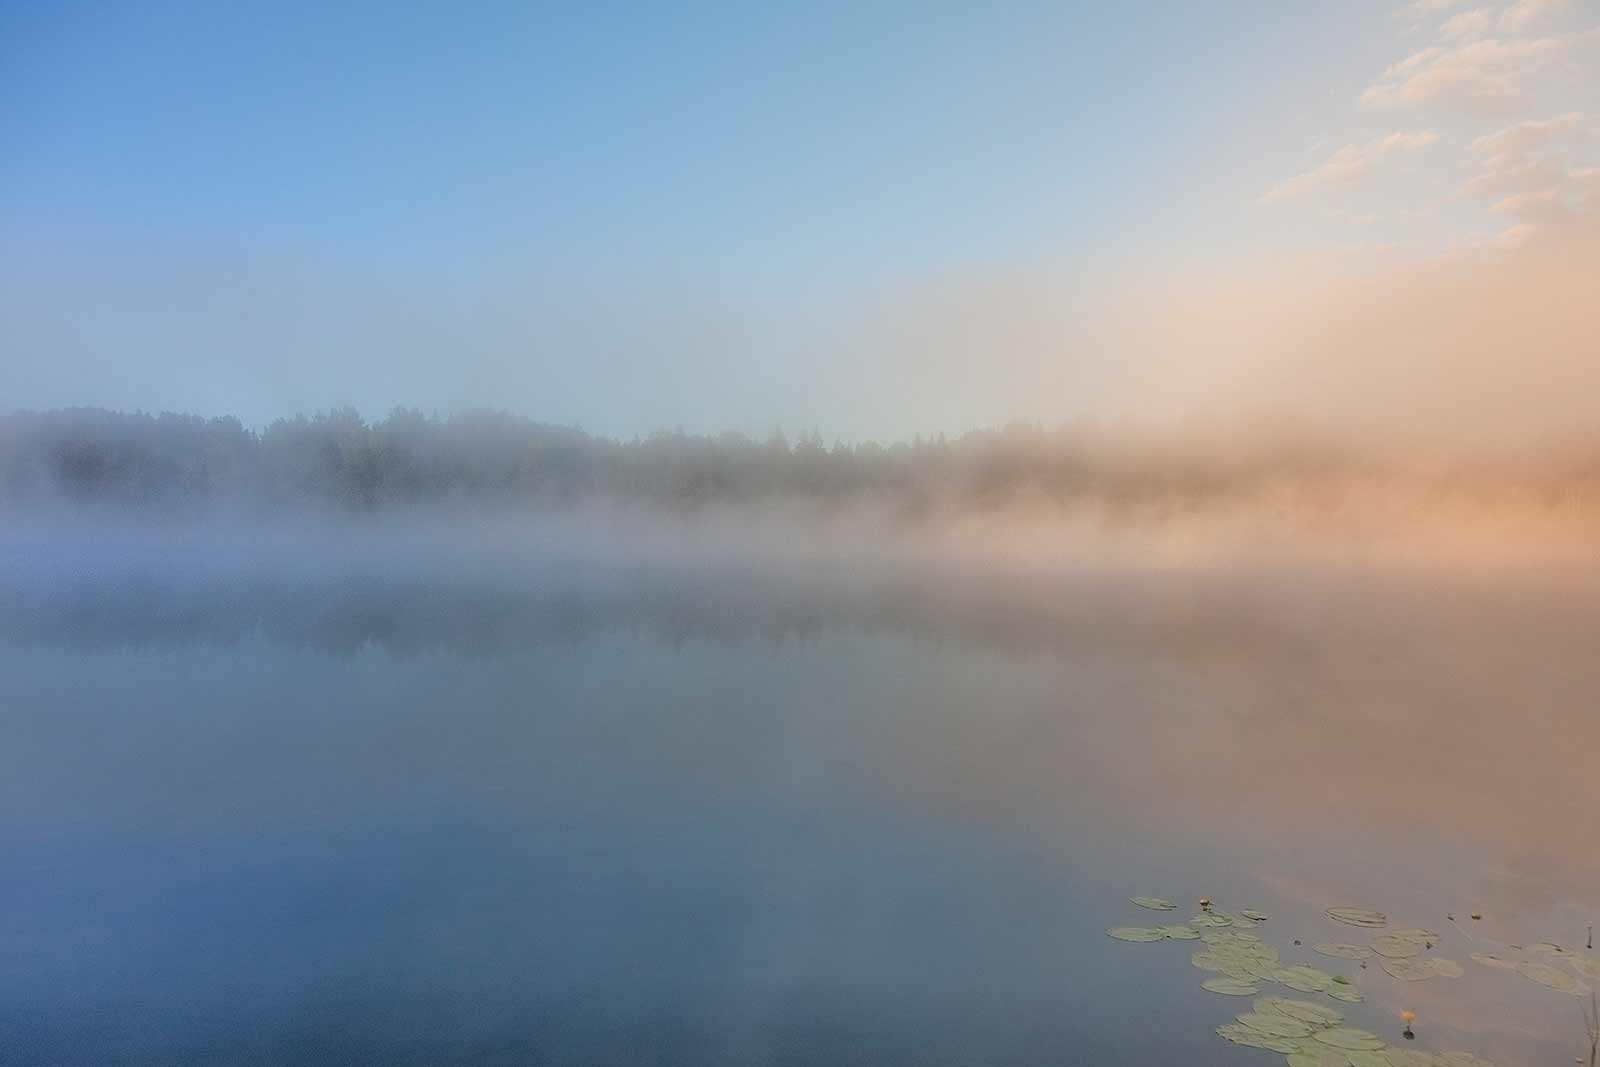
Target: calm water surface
{"type": "Point", "coordinates": [690, 816]}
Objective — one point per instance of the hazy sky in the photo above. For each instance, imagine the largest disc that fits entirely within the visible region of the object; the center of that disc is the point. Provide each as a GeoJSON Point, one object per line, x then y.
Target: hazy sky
{"type": "Point", "coordinates": [868, 219]}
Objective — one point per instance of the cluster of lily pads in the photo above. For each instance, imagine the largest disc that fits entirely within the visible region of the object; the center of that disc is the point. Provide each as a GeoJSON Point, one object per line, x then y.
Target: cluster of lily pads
{"type": "Point", "coordinates": [1585, 964]}
{"type": "Point", "coordinates": [1310, 1034]}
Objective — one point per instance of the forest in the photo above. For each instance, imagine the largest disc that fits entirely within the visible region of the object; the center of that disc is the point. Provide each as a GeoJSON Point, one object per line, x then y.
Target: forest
{"type": "Point", "coordinates": [338, 459]}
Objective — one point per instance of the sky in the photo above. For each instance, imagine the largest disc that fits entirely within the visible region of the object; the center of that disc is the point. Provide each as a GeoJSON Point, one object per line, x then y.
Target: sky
{"type": "Point", "coordinates": [869, 220]}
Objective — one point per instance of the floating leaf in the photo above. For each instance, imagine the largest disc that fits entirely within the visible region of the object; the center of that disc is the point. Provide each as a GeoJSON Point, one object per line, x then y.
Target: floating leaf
{"type": "Point", "coordinates": [1348, 1038]}
{"type": "Point", "coordinates": [1343, 951]}
{"type": "Point", "coordinates": [1358, 916]}
{"type": "Point", "coordinates": [1395, 947]}
{"type": "Point", "coordinates": [1408, 970]}
{"type": "Point", "coordinates": [1207, 918]}
{"type": "Point", "coordinates": [1252, 913]}
{"type": "Point", "coordinates": [1303, 1010]}
{"type": "Point", "coordinates": [1425, 938]}
{"type": "Point", "coordinates": [1231, 987]}
{"type": "Point", "coordinates": [1349, 994]}
{"type": "Point", "coordinates": [1274, 1025]}
{"type": "Point", "coordinates": [1368, 1058]}
{"type": "Point", "coordinates": [1135, 933]}
{"type": "Point", "coordinates": [1491, 960]}
{"type": "Point", "coordinates": [1305, 979]}
{"type": "Point", "coordinates": [1243, 1035]}
{"type": "Point", "coordinates": [1446, 968]}
{"type": "Point", "coordinates": [1547, 975]}
{"type": "Point", "coordinates": [1325, 1058]}
{"type": "Point", "coordinates": [1584, 965]}
{"type": "Point", "coordinates": [1179, 933]}
{"type": "Point", "coordinates": [1154, 903]}
{"type": "Point", "coordinates": [1546, 946]}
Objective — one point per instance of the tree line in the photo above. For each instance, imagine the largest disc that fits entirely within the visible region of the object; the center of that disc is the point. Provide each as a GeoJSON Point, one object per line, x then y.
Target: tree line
{"type": "Point", "coordinates": [339, 459]}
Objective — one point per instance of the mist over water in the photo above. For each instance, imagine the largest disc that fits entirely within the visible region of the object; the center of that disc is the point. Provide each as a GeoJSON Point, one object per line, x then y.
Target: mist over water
{"type": "Point", "coordinates": [618, 784]}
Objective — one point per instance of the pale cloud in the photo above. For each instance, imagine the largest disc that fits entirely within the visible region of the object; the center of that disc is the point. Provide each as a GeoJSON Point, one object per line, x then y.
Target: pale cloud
{"type": "Point", "coordinates": [1542, 206]}
{"type": "Point", "coordinates": [1468, 22]}
{"type": "Point", "coordinates": [1519, 176]}
{"type": "Point", "coordinates": [1524, 13]}
{"type": "Point", "coordinates": [1541, 187]}
{"type": "Point", "coordinates": [1484, 75]}
{"type": "Point", "coordinates": [1350, 164]}
{"type": "Point", "coordinates": [1524, 137]}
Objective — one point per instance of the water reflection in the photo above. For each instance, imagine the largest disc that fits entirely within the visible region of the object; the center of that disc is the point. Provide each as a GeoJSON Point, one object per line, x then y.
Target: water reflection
{"type": "Point", "coordinates": [649, 812]}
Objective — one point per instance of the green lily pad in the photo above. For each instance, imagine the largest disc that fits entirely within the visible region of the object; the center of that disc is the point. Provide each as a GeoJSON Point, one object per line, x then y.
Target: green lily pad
{"type": "Point", "coordinates": [1208, 918]}
{"type": "Point", "coordinates": [1358, 917]}
{"type": "Point", "coordinates": [1348, 994]}
{"type": "Point", "coordinates": [1180, 933]}
{"type": "Point", "coordinates": [1154, 903]}
{"type": "Point", "coordinates": [1368, 1058]}
{"type": "Point", "coordinates": [1253, 914]}
{"type": "Point", "coordinates": [1303, 1010]}
{"type": "Point", "coordinates": [1343, 951]}
{"type": "Point", "coordinates": [1586, 966]}
{"type": "Point", "coordinates": [1243, 1035]}
{"type": "Point", "coordinates": [1547, 975]}
{"type": "Point", "coordinates": [1351, 1039]}
{"type": "Point", "coordinates": [1395, 947]}
{"type": "Point", "coordinates": [1305, 979]}
{"type": "Point", "coordinates": [1408, 970]}
{"type": "Point", "coordinates": [1231, 987]}
{"type": "Point", "coordinates": [1275, 1025]}
{"type": "Point", "coordinates": [1446, 968]}
{"type": "Point", "coordinates": [1135, 933]}
{"type": "Point", "coordinates": [1425, 938]}
{"type": "Point", "coordinates": [1490, 960]}
{"type": "Point", "coordinates": [1326, 1057]}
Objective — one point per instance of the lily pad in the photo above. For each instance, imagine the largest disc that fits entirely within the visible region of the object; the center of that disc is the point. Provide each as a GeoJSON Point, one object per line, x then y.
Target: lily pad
{"type": "Point", "coordinates": [1303, 1010]}
{"type": "Point", "coordinates": [1243, 1035]}
{"type": "Point", "coordinates": [1488, 959]}
{"type": "Point", "coordinates": [1408, 970]}
{"type": "Point", "coordinates": [1343, 951]}
{"type": "Point", "coordinates": [1348, 994]}
{"type": "Point", "coordinates": [1547, 975]}
{"type": "Point", "coordinates": [1252, 913]}
{"type": "Point", "coordinates": [1230, 987]}
{"type": "Point", "coordinates": [1395, 947]}
{"type": "Point", "coordinates": [1275, 1025]}
{"type": "Point", "coordinates": [1180, 933]}
{"type": "Point", "coordinates": [1135, 933]}
{"type": "Point", "coordinates": [1425, 938]}
{"type": "Point", "coordinates": [1358, 916]}
{"type": "Point", "coordinates": [1546, 946]}
{"type": "Point", "coordinates": [1327, 1057]}
{"type": "Point", "coordinates": [1208, 918]}
{"type": "Point", "coordinates": [1446, 968]}
{"type": "Point", "coordinates": [1305, 979]}
{"type": "Point", "coordinates": [1349, 1038]}
{"type": "Point", "coordinates": [1368, 1058]}
{"type": "Point", "coordinates": [1584, 965]}
{"type": "Point", "coordinates": [1154, 903]}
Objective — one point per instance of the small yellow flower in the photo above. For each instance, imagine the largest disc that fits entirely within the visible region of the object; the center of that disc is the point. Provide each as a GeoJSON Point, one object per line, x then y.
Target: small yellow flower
{"type": "Point", "coordinates": [1408, 1017]}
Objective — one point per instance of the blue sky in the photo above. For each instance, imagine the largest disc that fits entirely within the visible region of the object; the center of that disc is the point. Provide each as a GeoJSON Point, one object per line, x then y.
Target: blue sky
{"type": "Point", "coordinates": [645, 216]}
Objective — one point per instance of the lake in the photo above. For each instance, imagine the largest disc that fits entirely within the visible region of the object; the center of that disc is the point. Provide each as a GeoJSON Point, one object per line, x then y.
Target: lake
{"type": "Point", "coordinates": [602, 808]}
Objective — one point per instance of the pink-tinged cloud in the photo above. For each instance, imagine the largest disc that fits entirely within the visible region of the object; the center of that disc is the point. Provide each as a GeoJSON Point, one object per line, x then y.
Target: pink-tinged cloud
{"type": "Point", "coordinates": [1485, 76]}
{"type": "Point", "coordinates": [1350, 164]}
